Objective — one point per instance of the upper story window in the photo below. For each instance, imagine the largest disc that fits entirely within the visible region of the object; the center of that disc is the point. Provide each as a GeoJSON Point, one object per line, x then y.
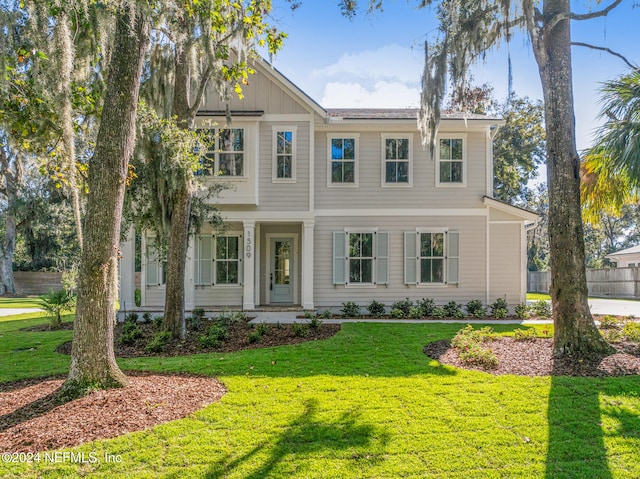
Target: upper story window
{"type": "Point", "coordinates": [451, 161]}
{"type": "Point", "coordinates": [226, 153]}
{"type": "Point", "coordinates": [343, 155]}
{"type": "Point", "coordinates": [284, 154]}
{"type": "Point", "coordinates": [396, 157]}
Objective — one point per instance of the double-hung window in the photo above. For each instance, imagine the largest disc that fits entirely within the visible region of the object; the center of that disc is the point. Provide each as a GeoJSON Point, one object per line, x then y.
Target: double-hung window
{"type": "Point", "coordinates": [360, 257]}
{"type": "Point", "coordinates": [343, 157]}
{"type": "Point", "coordinates": [431, 257]}
{"type": "Point", "coordinates": [156, 268]}
{"type": "Point", "coordinates": [225, 153]}
{"type": "Point", "coordinates": [396, 156]}
{"type": "Point", "coordinates": [218, 260]}
{"type": "Point", "coordinates": [284, 154]}
{"type": "Point", "coordinates": [451, 153]}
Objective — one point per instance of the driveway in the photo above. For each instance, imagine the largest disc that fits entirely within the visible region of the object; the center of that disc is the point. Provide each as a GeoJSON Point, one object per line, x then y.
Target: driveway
{"type": "Point", "coordinates": [13, 311]}
{"type": "Point", "coordinates": [616, 307]}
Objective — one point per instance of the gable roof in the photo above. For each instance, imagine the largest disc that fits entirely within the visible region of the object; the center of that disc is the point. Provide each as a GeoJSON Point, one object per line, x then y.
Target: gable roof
{"type": "Point", "coordinates": [528, 216]}
{"type": "Point", "coordinates": [632, 250]}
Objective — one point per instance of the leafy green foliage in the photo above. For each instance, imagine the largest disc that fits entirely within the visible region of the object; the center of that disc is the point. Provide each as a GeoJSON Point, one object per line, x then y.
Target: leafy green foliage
{"type": "Point", "coordinates": [376, 309]}
{"type": "Point", "coordinates": [427, 305]}
{"type": "Point", "coordinates": [300, 330]}
{"type": "Point", "coordinates": [500, 308]}
{"type": "Point", "coordinates": [158, 342]}
{"type": "Point", "coordinates": [350, 310]}
{"type": "Point", "coordinates": [55, 303]}
{"type": "Point", "coordinates": [631, 331]}
{"type": "Point", "coordinates": [476, 309]}
{"type": "Point", "coordinates": [542, 309]}
{"type": "Point", "coordinates": [454, 310]}
{"type": "Point", "coordinates": [609, 322]}
{"type": "Point", "coordinates": [522, 310]}
{"type": "Point", "coordinates": [315, 323]}
{"type": "Point", "coordinates": [469, 344]}
{"type": "Point", "coordinates": [216, 333]}
{"type": "Point", "coordinates": [524, 334]}
{"type": "Point", "coordinates": [130, 333]}
{"type": "Point", "coordinates": [439, 312]}
{"type": "Point", "coordinates": [326, 314]}
{"type": "Point", "coordinates": [405, 306]}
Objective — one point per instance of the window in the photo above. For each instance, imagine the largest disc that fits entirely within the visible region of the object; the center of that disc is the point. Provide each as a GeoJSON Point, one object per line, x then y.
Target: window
{"type": "Point", "coordinates": [431, 257]}
{"type": "Point", "coordinates": [342, 158]}
{"type": "Point", "coordinates": [451, 156]}
{"type": "Point", "coordinates": [396, 160]}
{"type": "Point", "coordinates": [360, 257]}
{"type": "Point", "coordinates": [284, 154]}
{"type": "Point", "coordinates": [156, 269]}
{"type": "Point", "coordinates": [218, 260]}
{"type": "Point", "coordinates": [225, 153]}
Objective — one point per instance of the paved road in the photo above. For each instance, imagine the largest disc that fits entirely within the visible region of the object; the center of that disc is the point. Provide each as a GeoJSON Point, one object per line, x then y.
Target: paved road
{"type": "Point", "coordinates": [619, 307]}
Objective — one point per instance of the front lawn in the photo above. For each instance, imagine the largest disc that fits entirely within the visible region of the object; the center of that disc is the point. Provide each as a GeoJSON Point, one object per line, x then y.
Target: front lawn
{"type": "Point", "coordinates": [365, 403]}
{"type": "Point", "coordinates": [28, 302]}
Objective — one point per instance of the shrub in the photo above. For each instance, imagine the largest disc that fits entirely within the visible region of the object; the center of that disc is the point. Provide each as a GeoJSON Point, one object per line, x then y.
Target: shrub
{"type": "Point", "coordinates": [404, 305]}
{"type": "Point", "coordinates": [476, 309]}
{"type": "Point", "coordinates": [426, 305]}
{"type": "Point", "coordinates": [415, 312]}
{"type": "Point", "coordinates": [55, 303]}
{"type": "Point", "coordinates": [454, 310]}
{"type": "Point", "coordinates": [396, 313]}
{"type": "Point", "coordinates": [130, 332]}
{"type": "Point", "coordinates": [542, 309]}
{"type": "Point", "coordinates": [500, 308]}
{"type": "Point", "coordinates": [157, 321]}
{"type": "Point", "coordinates": [439, 313]}
{"type": "Point", "coordinates": [609, 322]}
{"type": "Point", "coordinates": [468, 335]}
{"type": "Point", "coordinates": [300, 330]}
{"type": "Point", "coordinates": [308, 315]}
{"type": "Point", "coordinates": [131, 318]}
{"type": "Point", "coordinates": [278, 325]}
{"type": "Point", "coordinates": [254, 337]}
{"type": "Point", "coordinates": [137, 295]}
{"type": "Point", "coordinates": [228, 317]}
{"type": "Point", "coordinates": [524, 334]}
{"type": "Point", "coordinates": [376, 309]}
{"type": "Point", "coordinates": [315, 323]}
{"type": "Point", "coordinates": [350, 310]}
{"type": "Point", "coordinates": [480, 355]}
{"type": "Point", "coordinates": [326, 314]}
{"type": "Point", "coordinates": [469, 344]}
{"type": "Point", "coordinates": [611, 335]}
{"type": "Point", "coordinates": [215, 334]}
{"type": "Point", "coordinates": [146, 317]}
{"type": "Point", "coordinates": [522, 311]}
{"type": "Point", "coordinates": [262, 329]}
{"type": "Point", "coordinates": [158, 342]}
{"type": "Point", "coordinates": [631, 331]}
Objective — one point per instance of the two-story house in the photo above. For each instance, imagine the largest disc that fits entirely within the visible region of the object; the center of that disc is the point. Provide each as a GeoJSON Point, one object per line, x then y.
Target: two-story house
{"type": "Point", "coordinates": [328, 206]}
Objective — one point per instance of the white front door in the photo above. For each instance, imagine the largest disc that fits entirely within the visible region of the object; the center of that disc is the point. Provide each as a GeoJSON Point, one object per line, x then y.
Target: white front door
{"type": "Point", "coordinates": [281, 276]}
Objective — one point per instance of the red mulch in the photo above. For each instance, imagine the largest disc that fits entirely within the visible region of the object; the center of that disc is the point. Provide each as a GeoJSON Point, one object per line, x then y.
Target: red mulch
{"type": "Point", "coordinates": [535, 358]}
{"type": "Point", "coordinates": [32, 419]}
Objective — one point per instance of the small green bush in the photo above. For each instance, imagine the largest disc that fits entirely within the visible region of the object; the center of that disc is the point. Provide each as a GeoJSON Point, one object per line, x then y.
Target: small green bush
{"type": "Point", "coordinates": [157, 321]}
{"type": "Point", "coordinates": [415, 312]}
{"type": "Point", "coordinates": [262, 328]}
{"type": "Point", "coordinates": [426, 305]}
{"type": "Point", "coordinates": [130, 332]}
{"type": "Point", "coordinates": [405, 306]}
{"type": "Point", "coordinates": [55, 303]}
{"type": "Point", "coordinates": [376, 309]}
{"type": "Point", "coordinates": [300, 330]}
{"type": "Point", "coordinates": [500, 308]}
{"type": "Point", "coordinates": [469, 335]}
{"type": "Point", "coordinates": [524, 334]}
{"type": "Point", "coordinates": [146, 317]}
{"type": "Point", "coordinates": [454, 310]}
{"type": "Point", "coordinates": [254, 337]}
{"type": "Point", "coordinates": [476, 309]}
{"type": "Point", "coordinates": [396, 313]}
{"type": "Point", "coordinates": [611, 335]}
{"type": "Point", "coordinates": [350, 310]}
{"type": "Point", "coordinates": [137, 295]}
{"type": "Point", "coordinates": [522, 311]}
{"type": "Point", "coordinates": [158, 342]}
{"type": "Point", "coordinates": [631, 331]}
{"type": "Point", "coordinates": [480, 355]}
{"type": "Point", "coordinates": [131, 318]}
{"type": "Point", "coordinates": [609, 322]}
{"type": "Point", "coordinates": [315, 323]}
{"type": "Point", "coordinates": [214, 335]}
{"type": "Point", "coordinates": [439, 313]}
{"type": "Point", "coordinates": [228, 317]}
{"type": "Point", "coordinates": [309, 315]}
{"type": "Point", "coordinates": [326, 314]}
{"type": "Point", "coordinates": [469, 344]}
{"type": "Point", "coordinates": [542, 309]}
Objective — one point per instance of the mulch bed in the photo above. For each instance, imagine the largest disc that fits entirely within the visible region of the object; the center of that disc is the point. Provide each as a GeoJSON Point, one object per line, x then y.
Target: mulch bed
{"type": "Point", "coordinates": [535, 358]}
{"type": "Point", "coordinates": [238, 340]}
{"type": "Point", "coordinates": [32, 419]}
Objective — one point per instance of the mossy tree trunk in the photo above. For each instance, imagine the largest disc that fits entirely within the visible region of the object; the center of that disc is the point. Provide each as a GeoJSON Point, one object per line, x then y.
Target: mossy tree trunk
{"type": "Point", "coordinates": [576, 334]}
{"type": "Point", "coordinates": [11, 170]}
{"type": "Point", "coordinates": [92, 357]}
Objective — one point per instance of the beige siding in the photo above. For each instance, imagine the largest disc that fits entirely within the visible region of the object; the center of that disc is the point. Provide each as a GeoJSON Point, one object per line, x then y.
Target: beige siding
{"type": "Point", "coordinates": [218, 296]}
{"type": "Point", "coordinates": [260, 94]}
{"type": "Point", "coordinates": [506, 262]}
{"type": "Point", "coordinates": [284, 196]}
{"type": "Point", "coordinates": [423, 193]}
{"type": "Point", "coordinates": [472, 261]}
{"type": "Point", "coordinates": [154, 296]}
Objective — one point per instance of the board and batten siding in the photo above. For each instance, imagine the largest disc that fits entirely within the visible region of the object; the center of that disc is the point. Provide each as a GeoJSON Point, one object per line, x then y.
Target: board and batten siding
{"type": "Point", "coordinates": [422, 194]}
{"type": "Point", "coordinates": [284, 196]}
{"type": "Point", "coordinates": [473, 267]}
{"type": "Point", "coordinates": [506, 262]}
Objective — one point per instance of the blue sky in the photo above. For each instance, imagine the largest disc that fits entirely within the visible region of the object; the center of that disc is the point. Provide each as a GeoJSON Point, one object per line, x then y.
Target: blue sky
{"type": "Point", "coordinates": [376, 60]}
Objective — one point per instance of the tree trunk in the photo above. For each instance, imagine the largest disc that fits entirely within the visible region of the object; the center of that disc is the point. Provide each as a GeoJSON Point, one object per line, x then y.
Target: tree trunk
{"type": "Point", "coordinates": [92, 357]}
{"type": "Point", "coordinates": [7, 247]}
{"type": "Point", "coordinates": [174, 320]}
{"type": "Point", "coordinates": [575, 332]}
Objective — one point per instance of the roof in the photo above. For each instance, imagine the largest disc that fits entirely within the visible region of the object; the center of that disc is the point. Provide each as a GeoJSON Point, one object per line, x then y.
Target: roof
{"type": "Point", "coordinates": [632, 250]}
{"type": "Point", "coordinates": [395, 114]}
{"type": "Point", "coordinates": [526, 215]}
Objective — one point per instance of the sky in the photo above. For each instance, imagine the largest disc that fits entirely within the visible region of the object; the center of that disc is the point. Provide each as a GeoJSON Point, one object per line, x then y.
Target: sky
{"type": "Point", "coordinates": [376, 60]}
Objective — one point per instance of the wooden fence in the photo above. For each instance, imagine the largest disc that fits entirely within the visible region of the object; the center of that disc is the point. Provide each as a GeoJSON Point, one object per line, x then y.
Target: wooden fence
{"type": "Point", "coordinates": [36, 282]}
{"type": "Point", "coordinates": [602, 283]}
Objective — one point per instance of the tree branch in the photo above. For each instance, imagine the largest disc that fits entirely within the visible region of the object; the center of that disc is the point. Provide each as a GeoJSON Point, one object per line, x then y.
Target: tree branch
{"type": "Point", "coordinates": [608, 50]}
{"type": "Point", "coordinates": [204, 80]}
{"type": "Point", "coordinates": [600, 13]}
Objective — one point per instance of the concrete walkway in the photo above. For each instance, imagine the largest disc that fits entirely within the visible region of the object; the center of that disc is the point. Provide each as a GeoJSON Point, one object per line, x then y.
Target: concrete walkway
{"type": "Point", "coordinates": [14, 311]}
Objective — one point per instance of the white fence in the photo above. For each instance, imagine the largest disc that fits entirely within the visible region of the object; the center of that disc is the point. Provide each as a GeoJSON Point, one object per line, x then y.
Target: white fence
{"type": "Point", "coordinates": [602, 283]}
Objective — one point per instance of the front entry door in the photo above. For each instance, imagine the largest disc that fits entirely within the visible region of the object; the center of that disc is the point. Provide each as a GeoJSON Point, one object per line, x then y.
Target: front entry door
{"type": "Point", "coordinates": [281, 277]}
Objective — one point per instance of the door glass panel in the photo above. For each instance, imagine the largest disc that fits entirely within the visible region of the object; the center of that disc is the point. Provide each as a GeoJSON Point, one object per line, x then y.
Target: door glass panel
{"type": "Point", "coordinates": [282, 262]}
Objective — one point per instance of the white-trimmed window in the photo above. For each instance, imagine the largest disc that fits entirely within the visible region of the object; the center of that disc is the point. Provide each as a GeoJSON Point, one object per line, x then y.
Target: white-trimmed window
{"type": "Point", "coordinates": [343, 160]}
{"type": "Point", "coordinates": [360, 257]}
{"type": "Point", "coordinates": [284, 154]}
{"type": "Point", "coordinates": [225, 154]}
{"type": "Point", "coordinates": [431, 257]}
{"type": "Point", "coordinates": [396, 160]}
{"type": "Point", "coordinates": [218, 260]}
{"type": "Point", "coordinates": [451, 164]}
{"type": "Point", "coordinates": [156, 269]}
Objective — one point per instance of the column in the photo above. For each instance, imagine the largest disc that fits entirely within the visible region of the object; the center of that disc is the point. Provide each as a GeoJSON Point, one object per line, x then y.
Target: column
{"type": "Point", "coordinates": [189, 276]}
{"type": "Point", "coordinates": [307, 264]}
{"type": "Point", "coordinates": [127, 266]}
{"type": "Point", "coordinates": [248, 261]}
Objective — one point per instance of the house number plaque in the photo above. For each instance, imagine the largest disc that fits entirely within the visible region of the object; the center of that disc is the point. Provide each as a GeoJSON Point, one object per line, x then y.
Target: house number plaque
{"type": "Point", "coordinates": [249, 244]}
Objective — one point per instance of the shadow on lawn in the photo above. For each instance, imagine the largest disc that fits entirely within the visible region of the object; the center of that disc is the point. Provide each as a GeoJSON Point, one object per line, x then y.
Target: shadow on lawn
{"type": "Point", "coordinates": [304, 436]}
{"type": "Point", "coordinates": [576, 432]}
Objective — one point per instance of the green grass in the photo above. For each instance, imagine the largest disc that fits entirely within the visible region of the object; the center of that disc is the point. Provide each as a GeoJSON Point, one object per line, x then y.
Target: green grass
{"type": "Point", "coordinates": [366, 403]}
{"type": "Point", "coordinates": [537, 297]}
{"type": "Point", "coordinates": [28, 302]}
